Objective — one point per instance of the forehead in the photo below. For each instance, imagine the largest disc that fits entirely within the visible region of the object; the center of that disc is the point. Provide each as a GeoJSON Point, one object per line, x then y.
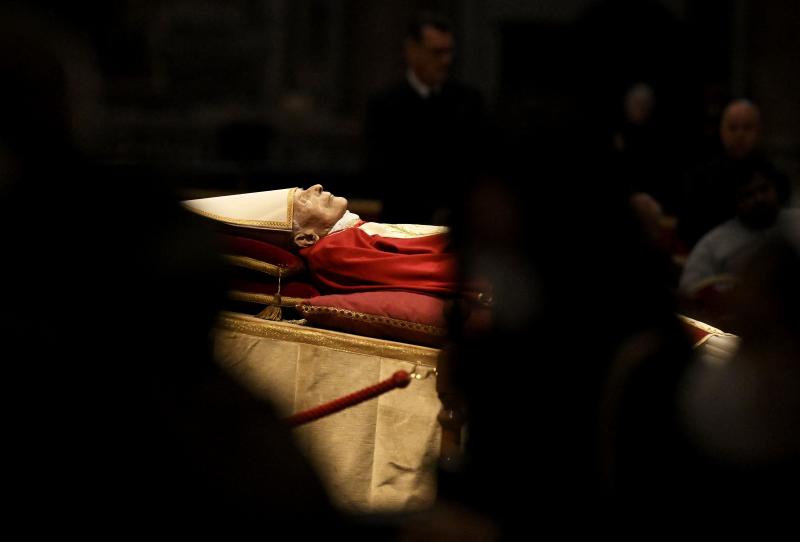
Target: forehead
{"type": "Point", "coordinates": [740, 114]}
{"type": "Point", "coordinates": [433, 37]}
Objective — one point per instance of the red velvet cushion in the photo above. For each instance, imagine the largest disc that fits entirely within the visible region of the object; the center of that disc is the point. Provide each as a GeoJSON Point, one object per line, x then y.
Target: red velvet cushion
{"type": "Point", "coordinates": [260, 256]}
{"type": "Point", "coordinates": [402, 316]}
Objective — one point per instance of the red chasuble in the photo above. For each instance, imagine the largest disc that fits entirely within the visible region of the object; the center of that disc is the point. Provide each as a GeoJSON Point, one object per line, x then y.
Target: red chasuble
{"type": "Point", "coordinates": [352, 260]}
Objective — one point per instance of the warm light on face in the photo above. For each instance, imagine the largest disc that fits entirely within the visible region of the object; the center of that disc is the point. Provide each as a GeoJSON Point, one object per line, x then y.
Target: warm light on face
{"type": "Point", "coordinates": [317, 209]}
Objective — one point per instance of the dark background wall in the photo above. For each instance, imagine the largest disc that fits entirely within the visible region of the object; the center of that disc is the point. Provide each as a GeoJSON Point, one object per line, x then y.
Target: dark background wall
{"type": "Point", "coordinates": [242, 94]}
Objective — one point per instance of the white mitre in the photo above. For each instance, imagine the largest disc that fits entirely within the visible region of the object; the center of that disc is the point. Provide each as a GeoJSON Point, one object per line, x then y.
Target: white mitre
{"type": "Point", "coordinates": [268, 210]}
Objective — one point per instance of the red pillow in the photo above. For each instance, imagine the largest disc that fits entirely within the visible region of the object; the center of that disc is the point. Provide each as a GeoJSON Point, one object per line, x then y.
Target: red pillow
{"type": "Point", "coordinates": [402, 316]}
{"type": "Point", "coordinates": [260, 256]}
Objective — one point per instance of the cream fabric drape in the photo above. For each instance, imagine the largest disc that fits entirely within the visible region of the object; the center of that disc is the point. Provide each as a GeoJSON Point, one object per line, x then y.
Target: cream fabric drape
{"type": "Point", "coordinates": [378, 456]}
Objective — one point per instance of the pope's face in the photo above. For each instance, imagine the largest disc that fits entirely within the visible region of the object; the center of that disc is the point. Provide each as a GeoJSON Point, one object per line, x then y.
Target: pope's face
{"type": "Point", "coordinates": [316, 209]}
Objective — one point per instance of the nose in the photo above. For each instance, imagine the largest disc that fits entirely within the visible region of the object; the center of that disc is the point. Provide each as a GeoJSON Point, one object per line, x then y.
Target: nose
{"type": "Point", "coordinates": [316, 188]}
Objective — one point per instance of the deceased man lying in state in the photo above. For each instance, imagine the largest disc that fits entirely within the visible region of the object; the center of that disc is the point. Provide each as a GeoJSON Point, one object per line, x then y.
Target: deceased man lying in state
{"type": "Point", "coordinates": [343, 253]}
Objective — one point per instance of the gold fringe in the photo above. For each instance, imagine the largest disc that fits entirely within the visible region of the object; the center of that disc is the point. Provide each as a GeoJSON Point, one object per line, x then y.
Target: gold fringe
{"type": "Point", "coordinates": [273, 312]}
{"type": "Point", "coordinates": [346, 342]}
{"type": "Point", "coordinates": [270, 312]}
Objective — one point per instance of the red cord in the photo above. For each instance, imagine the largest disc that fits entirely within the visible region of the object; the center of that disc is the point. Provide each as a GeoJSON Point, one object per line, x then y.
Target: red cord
{"type": "Point", "coordinates": [400, 379]}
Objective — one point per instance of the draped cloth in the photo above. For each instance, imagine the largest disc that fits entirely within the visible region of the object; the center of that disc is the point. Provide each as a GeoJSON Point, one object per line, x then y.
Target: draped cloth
{"type": "Point", "coordinates": [379, 456]}
{"type": "Point", "coordinates": [373, 256]}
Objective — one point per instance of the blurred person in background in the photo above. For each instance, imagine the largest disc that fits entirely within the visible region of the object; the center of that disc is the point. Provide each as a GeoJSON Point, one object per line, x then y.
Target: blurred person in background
{"type": "Point", "coordinates": [724, 249]}
{"type": "Point", "coordinates": [708, 198]}
{"type": "Point", "coordinates": [426, 132]}
{"type": "Point", "coordinates": [640, 149]}
{"type": "Point", "coordinates": [742, 416]}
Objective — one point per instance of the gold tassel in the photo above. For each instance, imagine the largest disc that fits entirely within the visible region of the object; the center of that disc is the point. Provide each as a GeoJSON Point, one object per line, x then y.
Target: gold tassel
{"type": "Point", "coordinates": [270, 312]}
{"type": "Point", "coordinates": [273, 310]}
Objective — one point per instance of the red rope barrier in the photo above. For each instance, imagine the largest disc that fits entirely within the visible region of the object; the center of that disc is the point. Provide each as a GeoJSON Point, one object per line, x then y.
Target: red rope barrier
{"type": "Point", "coordinates": [400, 379]}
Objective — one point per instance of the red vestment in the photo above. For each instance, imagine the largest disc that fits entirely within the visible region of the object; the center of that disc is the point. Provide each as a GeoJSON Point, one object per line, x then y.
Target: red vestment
{"type": "Point", "coordinates": [352, 260]}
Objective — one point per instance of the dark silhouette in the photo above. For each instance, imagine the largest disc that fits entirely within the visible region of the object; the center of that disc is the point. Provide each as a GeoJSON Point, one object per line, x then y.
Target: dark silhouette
{"type": "Point", "coordinates": [576, 286]}
{"type": "Point", "coordinates": [424, 134]}
{"type": "Point", "coordinates": [642, 155]}
{"type": "Point", "coordinates": [116, 417]}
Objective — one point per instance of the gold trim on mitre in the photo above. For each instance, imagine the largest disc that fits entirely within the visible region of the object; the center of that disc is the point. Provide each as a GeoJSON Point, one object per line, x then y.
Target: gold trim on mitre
{"type": "Point", "coordinates": [268, 210]}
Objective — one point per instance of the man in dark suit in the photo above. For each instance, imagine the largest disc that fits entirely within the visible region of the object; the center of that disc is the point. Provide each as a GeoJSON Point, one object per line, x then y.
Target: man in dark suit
{"type": "Point", "coordinates": [424, 133]}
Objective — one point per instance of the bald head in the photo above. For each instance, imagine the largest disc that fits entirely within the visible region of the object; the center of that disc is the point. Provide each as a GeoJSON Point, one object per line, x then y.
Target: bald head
{"type": "Point", "coordinates": [740, 128]}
